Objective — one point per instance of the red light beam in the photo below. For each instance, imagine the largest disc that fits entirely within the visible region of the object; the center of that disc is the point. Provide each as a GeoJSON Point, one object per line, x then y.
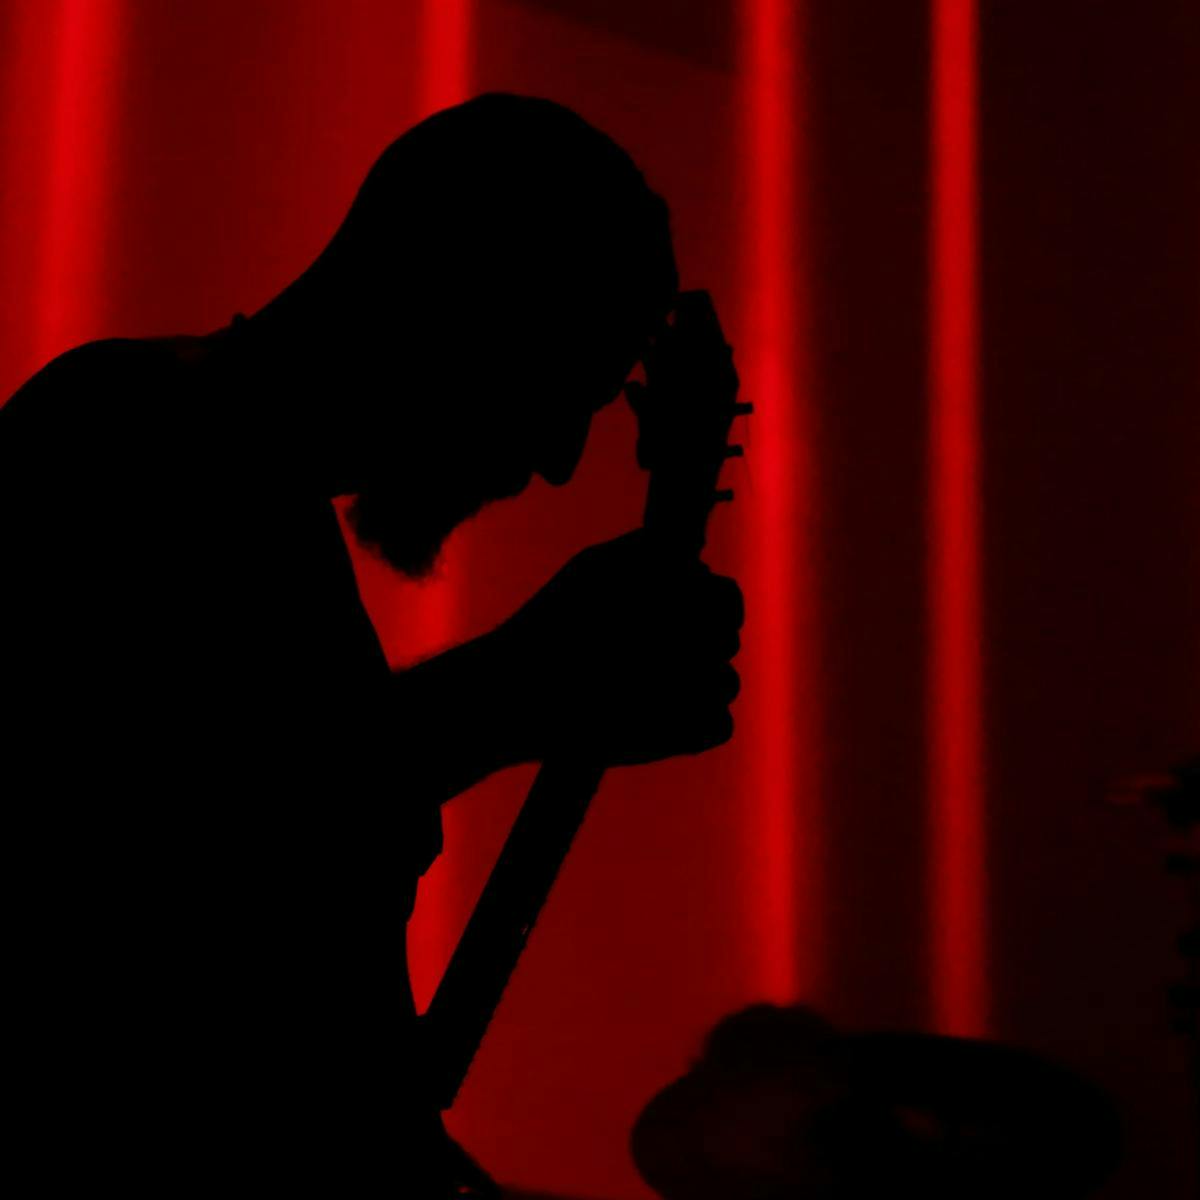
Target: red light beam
{"type": "Point", "coordinates": [69, 299]}
{"type": "Point", "coordinates": [955, 779]}
{"type": "Point", "coordinates": [784, 869]}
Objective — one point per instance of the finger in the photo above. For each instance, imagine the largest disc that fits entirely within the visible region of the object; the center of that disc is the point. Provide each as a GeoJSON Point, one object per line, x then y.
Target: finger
{"type": "Point", "coordinates": [727, 645]}
{"type": "Point", "coordinates": [712, 691]}
{"type": "Point", "coordinates": [728, 685]}
{"type": "Point", "coordinates": [716, 731]}
{"type": "Point", "coordinates": [702, 718]}
{"type": "Point", "coordinates": [719, 640]}
{"type": "Point", "coordinates": [732, 600]}
{"type": "Point", "coordinates": [724, 605]}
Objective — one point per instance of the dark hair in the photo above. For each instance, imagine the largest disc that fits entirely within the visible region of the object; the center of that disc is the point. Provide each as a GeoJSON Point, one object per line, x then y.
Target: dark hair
{"type": "Point", "coordinates": [513, 205]}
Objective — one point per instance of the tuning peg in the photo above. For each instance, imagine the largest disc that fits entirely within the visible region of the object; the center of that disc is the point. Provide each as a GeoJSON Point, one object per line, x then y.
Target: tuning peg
{"type": "Point", "coordinates": [723, 496]}
{"type": "Point", "coordinates": [735, 451]}
{"type": "Point", "coordinates": [743, 409]}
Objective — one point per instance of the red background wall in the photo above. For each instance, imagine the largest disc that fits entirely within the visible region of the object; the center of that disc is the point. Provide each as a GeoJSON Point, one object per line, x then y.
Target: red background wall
{"type": "Point", "coordinates": [957, 251]}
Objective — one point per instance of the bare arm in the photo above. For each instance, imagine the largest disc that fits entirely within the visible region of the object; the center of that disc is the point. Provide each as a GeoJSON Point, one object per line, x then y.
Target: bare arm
{"type": "Point", "coordinates": [462, 717]}
{"type": "Point", "coordinates": [622, 658]}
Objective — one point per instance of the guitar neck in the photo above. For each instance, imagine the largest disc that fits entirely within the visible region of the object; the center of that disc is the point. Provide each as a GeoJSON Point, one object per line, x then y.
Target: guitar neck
{"type": "Point", "coordinates": [473, 984]}
{"type": "Point", "coordinates": [486, 956]}
{"type": "Point", "coordinates": [684, 450]}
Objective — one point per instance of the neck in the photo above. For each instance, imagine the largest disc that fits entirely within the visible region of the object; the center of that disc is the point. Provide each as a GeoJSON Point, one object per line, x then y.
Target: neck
{"type": "Point", "coordinates": [267, 374]}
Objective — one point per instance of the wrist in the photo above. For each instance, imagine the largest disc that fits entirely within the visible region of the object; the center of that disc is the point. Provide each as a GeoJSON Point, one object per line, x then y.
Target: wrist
{"type": "Point", "coordinates": [472, 700]}
{"type": "Point", "coordinates": [505, 698]}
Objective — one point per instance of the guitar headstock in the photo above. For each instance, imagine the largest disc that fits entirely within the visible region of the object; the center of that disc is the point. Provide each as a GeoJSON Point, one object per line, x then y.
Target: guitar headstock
{"type": "Point", "coordinates": [685, 411]}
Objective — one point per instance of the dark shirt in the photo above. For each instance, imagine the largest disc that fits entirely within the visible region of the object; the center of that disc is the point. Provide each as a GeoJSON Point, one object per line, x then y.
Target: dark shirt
{"type": "Point", "coordinates": [210, 860]}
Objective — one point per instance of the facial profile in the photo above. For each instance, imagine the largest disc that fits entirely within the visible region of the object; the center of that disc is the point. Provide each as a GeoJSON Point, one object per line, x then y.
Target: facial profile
{"type": "Point", "coordinates": [405, 524]}
{"type": "Point", "coordinates": [519, 253]}
{"type": "Point", "coordinates": [491, 441]}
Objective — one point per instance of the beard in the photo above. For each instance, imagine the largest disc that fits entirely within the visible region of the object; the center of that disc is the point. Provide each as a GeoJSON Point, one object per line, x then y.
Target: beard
{"type": "Point", "coordinates": [407, 526]}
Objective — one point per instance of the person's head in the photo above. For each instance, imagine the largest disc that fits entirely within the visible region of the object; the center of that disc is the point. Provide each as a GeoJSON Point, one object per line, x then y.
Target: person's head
{"type": "Point", "coordinates": [499, 273]}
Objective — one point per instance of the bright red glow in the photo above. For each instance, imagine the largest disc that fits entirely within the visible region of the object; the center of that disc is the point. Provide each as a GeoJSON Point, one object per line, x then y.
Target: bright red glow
{"type": "Point", "coordinates": [444, 81]}
{"type": "Point", "coordinates": [83, 94]}
{"type": "Point", "coordinates": [446, 53]}
{"type": "Point", "coordinates": [434, 608]}
{"type": "Point", "coordinates": [955, 719]}
{"type": "Point", "coordinates": [784, 875]}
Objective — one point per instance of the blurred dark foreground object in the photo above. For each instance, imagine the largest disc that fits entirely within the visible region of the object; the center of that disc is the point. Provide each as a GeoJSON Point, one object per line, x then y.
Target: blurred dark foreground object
{"type": "Point", "coordinates": [783, 1105]}
{"type": "Point", "coordinates": [1176, 792]}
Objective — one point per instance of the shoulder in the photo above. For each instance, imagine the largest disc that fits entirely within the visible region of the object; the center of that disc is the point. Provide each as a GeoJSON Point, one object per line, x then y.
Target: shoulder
{"type": "Point", "coordinates": [107, 360]}
{"type": "Point", "coordinates": [82, 443]}
{"type": "Point", "coordinates": [90, 400]}
{"type": "Point", "coordinates": [89, 384]}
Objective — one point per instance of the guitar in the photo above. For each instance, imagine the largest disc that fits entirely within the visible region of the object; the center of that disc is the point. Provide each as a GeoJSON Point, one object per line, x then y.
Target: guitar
{"type": "Point", "coordinates": [684, 410]}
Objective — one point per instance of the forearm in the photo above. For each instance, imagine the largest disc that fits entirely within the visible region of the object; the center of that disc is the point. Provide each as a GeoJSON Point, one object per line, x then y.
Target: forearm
{"type": "Point", "coordinates": [460, 716]}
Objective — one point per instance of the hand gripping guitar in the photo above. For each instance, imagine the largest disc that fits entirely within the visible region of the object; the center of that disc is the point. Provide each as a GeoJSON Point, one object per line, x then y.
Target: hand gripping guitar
{"type": "Point", "coordinates": [684, 414]}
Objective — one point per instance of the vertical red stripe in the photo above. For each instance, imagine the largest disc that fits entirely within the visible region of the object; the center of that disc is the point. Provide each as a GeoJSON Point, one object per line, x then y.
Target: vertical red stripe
{"type": "Point", "coordinates": [444, 81]}
{"type": "Point", "coordinates": [784, 870]}
{"type": "Point", "coordinates": [959, 985]}
{"type": "Point", "coordinates": [435, 606]}
{"type": "Point", "coordinates": [445, 53]}
{"type": "Point", "coordinates": [26, 52]}
{"type": "Point", "coordinates": [70, 293]}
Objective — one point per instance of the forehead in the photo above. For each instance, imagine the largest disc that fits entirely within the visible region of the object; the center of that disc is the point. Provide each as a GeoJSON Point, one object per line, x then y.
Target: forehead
{"type": "Point", "coordinates": [605, 338]}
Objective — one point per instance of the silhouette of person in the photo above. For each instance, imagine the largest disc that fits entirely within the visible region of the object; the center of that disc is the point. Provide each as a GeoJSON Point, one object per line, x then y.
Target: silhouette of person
{"type": "Point", "coordinates": [219, 798]}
